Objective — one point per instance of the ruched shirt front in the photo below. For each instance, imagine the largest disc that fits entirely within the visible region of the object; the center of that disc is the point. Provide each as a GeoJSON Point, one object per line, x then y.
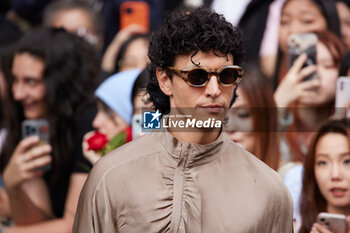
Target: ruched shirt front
{"type": "Point", "coordinates": [160, 184]}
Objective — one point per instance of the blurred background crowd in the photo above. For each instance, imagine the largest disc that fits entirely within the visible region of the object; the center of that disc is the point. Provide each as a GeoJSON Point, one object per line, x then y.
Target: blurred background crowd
{"type": "Point", "coordinates": [80, 67]}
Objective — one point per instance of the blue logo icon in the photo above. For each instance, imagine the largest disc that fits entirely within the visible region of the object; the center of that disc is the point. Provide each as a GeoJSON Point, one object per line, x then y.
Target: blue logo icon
{"type": "Point", "coordinates": [151, 120]}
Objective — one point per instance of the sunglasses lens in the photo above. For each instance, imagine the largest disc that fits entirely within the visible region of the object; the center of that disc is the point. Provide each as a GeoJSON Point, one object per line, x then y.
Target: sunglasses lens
{"type": "Point", "coordinates": [198, 77]}
{"type": "Point", "coordinates": [228, 76]}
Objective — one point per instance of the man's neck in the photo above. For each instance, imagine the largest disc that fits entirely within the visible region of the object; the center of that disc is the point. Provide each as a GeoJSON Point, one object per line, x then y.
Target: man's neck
{"type": "Point", "coordinates": [196, 135]}
{"type": "Point", "coordinates": [200, 137]}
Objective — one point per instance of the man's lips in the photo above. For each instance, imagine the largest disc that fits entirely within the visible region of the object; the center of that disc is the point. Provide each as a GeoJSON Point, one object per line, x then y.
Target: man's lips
{"type": "Point", "coordinates": [213, 108]}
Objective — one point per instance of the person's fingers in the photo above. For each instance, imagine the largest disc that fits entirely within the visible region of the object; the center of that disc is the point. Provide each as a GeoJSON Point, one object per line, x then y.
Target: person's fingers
{"type": "Point", "coordinates": [37, 163]}
{"type": "Point", "coordinates": [37, 152]}
{"type": "Point", "coordinates": [93, 157]}
{"type": "Point", "coordinates": [85, 146]}
{"type": "Point", "coordinates": [134, 28]}
{"type": "Point", "coordinates": [298, 63]}
{"type": "Point", "coordinates": [321, 229]}
{"type": "Point", "coordinates": [310, 85]}
{"type": "Point", "coordinates": [32, 174]}
{"type": "Point", "coordinates": [306, 72]}
{"type": "Point", "coordinates": [88, 135]}
{"type": "Point", "coordinates": [313, 230]}
{"type": "Point", "coordinates": [26, 143]}
{"type": "Point", "coordinates": [348, 221]}
{"type": "Point", "coordinates": [307, 95]}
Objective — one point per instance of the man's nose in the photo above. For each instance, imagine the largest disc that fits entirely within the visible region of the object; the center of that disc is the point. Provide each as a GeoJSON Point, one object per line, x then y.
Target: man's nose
{"type": "Point", "coordinates": [213, 89]}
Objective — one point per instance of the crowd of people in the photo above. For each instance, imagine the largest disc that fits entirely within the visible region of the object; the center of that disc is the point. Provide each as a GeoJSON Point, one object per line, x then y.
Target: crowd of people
{"type": "Point", "coordinates": [280, 157]}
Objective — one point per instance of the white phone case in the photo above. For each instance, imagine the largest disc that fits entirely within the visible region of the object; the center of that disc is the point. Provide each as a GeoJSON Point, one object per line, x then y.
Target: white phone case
{"type": "Point", "coordinates": [336, 223]}
{"type": "Point", "coordinates": [342, 97]}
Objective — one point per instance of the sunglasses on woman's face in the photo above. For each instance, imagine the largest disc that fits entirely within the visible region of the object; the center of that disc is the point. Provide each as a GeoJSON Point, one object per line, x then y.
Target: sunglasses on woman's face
{"type": "Point", "coordinates": [199, 76]}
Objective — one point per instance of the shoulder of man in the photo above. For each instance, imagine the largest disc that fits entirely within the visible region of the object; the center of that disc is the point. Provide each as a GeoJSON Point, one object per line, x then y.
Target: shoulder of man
{"type": "Point", "coordinates": [256, 168]}
{"type": "Point", "coordinates": [122, 156]}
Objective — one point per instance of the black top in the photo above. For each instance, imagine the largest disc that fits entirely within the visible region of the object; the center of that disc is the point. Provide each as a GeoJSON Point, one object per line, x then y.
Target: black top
{"type": "Point", "coordinates": [58, 193]}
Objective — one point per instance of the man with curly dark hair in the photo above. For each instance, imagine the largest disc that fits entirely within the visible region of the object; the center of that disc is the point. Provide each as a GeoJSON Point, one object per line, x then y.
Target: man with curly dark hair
{"type": "Point", "coordinates": [194, 180]}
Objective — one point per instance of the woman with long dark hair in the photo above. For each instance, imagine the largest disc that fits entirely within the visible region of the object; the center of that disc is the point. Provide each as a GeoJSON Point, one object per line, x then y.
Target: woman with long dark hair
{"type": "Point", "coordinates": [252, 119]}
{"type": "Point", "coordinates": [326, 180]}
{"type": "Point", "coordinates": [53, 77]}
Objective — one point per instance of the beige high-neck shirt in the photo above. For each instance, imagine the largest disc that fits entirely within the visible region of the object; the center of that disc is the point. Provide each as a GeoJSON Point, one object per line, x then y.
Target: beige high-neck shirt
{"type": "Point", "coordinates": [159, 184]}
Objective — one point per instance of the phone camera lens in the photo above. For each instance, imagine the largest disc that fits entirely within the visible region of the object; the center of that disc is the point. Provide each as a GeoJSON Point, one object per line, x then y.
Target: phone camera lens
{"type": "Point", "coordinates": [129, 10]}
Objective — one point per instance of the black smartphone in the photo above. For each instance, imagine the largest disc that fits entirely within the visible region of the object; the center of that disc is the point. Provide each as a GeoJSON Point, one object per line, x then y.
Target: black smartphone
{"type": "Point", "coordinates": [303, 43]}
{"type": "Point", "coordinates": [38, 127]}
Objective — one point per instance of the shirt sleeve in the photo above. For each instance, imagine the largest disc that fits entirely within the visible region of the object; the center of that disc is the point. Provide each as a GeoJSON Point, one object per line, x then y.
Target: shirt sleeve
{"type": "Point", "coordinates": [283, 213]}
{"type": "Point", "coordinates": [96, 211]}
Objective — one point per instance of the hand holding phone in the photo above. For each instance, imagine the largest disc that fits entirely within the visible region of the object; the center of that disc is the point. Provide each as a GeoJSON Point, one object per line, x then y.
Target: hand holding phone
{"type": "Point", "coordinates": [303, 44]}
{"type": "Point", "coordinates": [39, 127]}
{"type": "Point", "coordinates": [25, 162]}
{"type": "Point", "coordinates": [336, 223]}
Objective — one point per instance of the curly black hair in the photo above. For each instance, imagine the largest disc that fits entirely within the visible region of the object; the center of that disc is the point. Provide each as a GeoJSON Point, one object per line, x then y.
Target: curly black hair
{"type": "Point", "coordinates": [185, 32]}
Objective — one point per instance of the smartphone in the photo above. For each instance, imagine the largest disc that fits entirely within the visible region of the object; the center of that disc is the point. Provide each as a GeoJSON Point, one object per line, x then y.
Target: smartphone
{"type": "Point", "coordinates": [136, 125]}
{"type": "Point", "coordinates": [334, 222]}
{"type": "Point", "coordinates": [303, 43]}
{"type": "Point", "coordinates": [342, 96]}
{"type": "Point", "coordinates": [133, 12]}
{"type": "Point", "coordinates": [38, 127]}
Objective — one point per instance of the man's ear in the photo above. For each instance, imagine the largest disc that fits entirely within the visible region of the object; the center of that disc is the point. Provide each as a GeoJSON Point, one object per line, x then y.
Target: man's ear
{"type": "Point", "coordinates": [164, 81]}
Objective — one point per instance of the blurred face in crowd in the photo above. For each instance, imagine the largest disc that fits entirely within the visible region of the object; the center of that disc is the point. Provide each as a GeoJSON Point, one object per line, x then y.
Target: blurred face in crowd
{"type": "Point", "coordinates": [299, 16]}
{"type": "Point", "coordinates": [240, 122]}
{"type": "Point", "coordinates": [135, 56]}
{"type": "Point", "coordinates": [108, 123]}
{"type": "Point", "coordinates": [344, 16]}
{"type": "Point", "coordinates": [76, 21]}
{"type": "Point", "coordinates": [332, 171]}
{"type": "Point", "coordinates": [28, 86]}
{"type": "Point", "coordinates": [327, 73]}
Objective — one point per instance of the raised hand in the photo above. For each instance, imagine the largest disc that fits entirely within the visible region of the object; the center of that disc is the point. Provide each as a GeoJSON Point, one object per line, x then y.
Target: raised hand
{"type": "Point", "coordinates": [26, 161]}
{"type": "Point", "coordinates": [292, 87]}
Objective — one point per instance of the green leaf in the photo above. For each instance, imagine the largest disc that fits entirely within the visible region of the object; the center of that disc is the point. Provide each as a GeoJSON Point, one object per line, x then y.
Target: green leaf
{"type": "Point", "coordinates": [115, 142]}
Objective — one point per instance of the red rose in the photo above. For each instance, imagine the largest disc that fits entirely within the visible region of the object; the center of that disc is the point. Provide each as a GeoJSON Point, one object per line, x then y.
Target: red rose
{"type": "Point", "coordinates": [97, 141]}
